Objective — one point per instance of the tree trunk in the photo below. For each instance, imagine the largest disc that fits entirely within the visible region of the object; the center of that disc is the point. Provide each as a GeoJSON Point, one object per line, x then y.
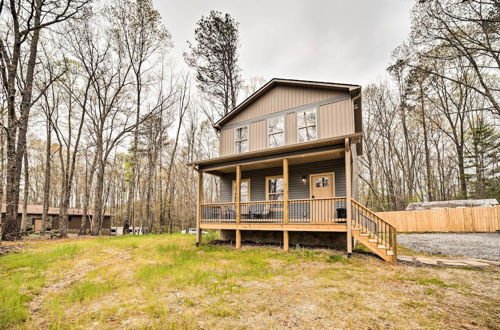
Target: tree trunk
{"type": "Point", "coordinates": [2, 168]}
{"type": "Point", "coordinates": [461, 171]}
{"type": "Point", "coordinates": [46, 183]}
{"type": "Point", "coordinates": [98, 193]}
{"type": "Point", "coordinates": [428, 171]}
{"type": "Point", "coordinates": [88, 187]}
{"type": "Point", "coordinates": [18, 126]}
{"type": "Point", "coordinates": [24, 217]}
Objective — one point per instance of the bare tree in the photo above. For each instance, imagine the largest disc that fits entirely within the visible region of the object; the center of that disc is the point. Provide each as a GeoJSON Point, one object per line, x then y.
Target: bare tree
{"type": "Point", "coordinates": [69, 140]}
{"type": "Point", "coordinates": [183, 105]}
{"type": "Point", "coordinates": [25, 21]}
{"type": "Point", "coordinates": [138, 29]}
{"type": "Point", "coordinates": [468, 31]}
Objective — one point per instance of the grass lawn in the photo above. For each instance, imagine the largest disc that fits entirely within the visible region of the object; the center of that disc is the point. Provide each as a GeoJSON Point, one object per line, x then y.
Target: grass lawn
{"type": "Point", "coordinates": [164, 281]}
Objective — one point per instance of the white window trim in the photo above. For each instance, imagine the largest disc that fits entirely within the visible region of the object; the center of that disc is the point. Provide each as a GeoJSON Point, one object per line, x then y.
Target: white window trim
{"type": "Point", "coordinates": [269, 134]}
{"type": "Point", "coordinates": [315, 124]}
{"type": "Point", "coordinates": [233, 190]}
{"type": "Point", "coordinates": [267, 185]}
{"type": "Point", "coordinates": [247, 139]}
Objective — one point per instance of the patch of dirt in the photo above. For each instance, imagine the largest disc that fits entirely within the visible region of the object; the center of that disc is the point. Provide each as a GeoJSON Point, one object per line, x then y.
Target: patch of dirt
{"type": "Point", "coordinates": [81, 268]}
{"type": "Point", "coordinates": [116, 258]}
{"type": "Point", "coordinates": [313, 293]}
{"type": "Point", "coordinates": [11, 248]}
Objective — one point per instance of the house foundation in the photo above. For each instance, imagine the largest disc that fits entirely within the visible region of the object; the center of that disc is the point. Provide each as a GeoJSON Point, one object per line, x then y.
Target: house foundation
{"type": "Point", "coordinates": [334, 240]}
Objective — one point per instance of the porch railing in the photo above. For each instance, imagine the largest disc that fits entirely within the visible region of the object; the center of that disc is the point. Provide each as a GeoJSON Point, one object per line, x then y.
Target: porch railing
{"type": "Point", "coordinates": [218, 212]}
{"type": "Point", "coordinates": [319, 210]}
{"type": "Point", "coordinates": [377, 228]}
{"type": "Point", "coordinates": [262, 211]}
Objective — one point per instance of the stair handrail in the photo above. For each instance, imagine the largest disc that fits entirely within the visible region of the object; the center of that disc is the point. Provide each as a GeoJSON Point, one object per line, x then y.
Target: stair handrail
{"type": "Point", "coordinates": [388, 236]}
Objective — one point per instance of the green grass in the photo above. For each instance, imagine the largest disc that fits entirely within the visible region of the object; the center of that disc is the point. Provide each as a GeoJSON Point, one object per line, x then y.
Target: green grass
{"type": "Point", "coordinates": [338, 258]}
{"type": "Point", "coordinates": [165, 281]}
{"type": "Point", "coordinates": [428, 281]}
{"type": "Point", "coordinates": [22, 275]}
{"type": "Point", "coordinates": [89, 290]}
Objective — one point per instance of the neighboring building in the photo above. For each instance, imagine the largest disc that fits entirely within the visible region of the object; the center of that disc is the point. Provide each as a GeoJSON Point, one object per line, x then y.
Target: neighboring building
{"type": "Point", "coordinates": [34, 221]}
{"type": "Point", "coordinates": [292, 148]}
{"type": "Point", "coordinates": [452, 204]}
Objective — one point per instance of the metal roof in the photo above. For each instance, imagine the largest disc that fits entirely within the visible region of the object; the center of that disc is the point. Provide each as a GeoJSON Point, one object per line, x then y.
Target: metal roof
{"type": "Point", "coordinates": [38, 209]}
{"type": "Point", "coordinates": [451, 204]}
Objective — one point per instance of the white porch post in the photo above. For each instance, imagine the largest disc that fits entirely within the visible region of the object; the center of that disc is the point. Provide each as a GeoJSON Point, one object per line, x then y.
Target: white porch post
{"type": "Point", "coordinates": [348, 194]}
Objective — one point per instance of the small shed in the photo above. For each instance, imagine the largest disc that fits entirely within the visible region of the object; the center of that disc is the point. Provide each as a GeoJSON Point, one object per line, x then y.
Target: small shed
{"type": "Point", "coordinates": [452, 204]}
{"type": "Point", "coordinates": [75, 215]}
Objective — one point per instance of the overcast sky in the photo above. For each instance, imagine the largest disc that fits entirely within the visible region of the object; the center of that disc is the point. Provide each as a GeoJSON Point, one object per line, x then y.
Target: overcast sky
{"type": "Point", "coordinates": [331, 40]}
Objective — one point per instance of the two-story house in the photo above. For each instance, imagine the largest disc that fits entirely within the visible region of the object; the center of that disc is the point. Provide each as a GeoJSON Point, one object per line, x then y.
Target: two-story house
{"type": "Point", "coordinates": [288, 169]}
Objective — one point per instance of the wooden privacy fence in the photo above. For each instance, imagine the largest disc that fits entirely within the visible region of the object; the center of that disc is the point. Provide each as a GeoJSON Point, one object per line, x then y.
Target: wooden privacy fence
{"type": "Point", "coordinates": [470, 219]}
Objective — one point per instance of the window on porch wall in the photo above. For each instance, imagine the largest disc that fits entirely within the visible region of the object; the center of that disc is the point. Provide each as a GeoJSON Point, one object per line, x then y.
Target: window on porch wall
{"type": "Point", "coordinates": [244, 192]}
{"type": "Point", "coordinates": [274, 188]}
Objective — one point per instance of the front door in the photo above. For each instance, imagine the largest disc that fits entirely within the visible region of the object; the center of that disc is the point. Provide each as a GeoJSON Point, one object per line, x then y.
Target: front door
{"type": "Point", "coordinates": [322, 186]}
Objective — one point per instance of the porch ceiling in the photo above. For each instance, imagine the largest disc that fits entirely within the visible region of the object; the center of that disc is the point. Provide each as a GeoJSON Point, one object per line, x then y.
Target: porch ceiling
{"type": "Point", "coordinates": [278, 161]}
{"type": "Point", "coordinates": [322, 149]}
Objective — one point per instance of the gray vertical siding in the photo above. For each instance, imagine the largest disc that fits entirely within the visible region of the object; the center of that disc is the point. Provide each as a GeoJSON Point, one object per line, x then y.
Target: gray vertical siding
{"type": "Point", "coordinates": [296, 172]}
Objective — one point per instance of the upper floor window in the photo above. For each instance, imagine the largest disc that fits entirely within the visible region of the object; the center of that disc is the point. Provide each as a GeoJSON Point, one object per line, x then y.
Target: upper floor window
{"type": "Point", "coordinates": [241, 139]}
{"type": "Point", "coordinates": [276, 131]}
{"type": "Point", "coordinates": [307, 125]}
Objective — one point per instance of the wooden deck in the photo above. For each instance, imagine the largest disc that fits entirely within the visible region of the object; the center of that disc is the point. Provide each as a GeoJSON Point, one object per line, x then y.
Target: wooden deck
{"type": "Point", "coordinates": [334, 214]}
{"type": "Point", "coordinates": [303, 215]}
{"type": "Point", "coordinates": [317, 227]}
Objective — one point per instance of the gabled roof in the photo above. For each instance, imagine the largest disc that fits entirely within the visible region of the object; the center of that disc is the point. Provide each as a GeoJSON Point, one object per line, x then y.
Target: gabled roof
{"type": "Point", "coordinates": [354, 89]}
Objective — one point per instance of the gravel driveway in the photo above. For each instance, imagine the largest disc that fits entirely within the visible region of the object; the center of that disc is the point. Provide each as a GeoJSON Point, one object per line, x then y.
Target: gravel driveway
{"type": "Point", "coordinates": [474, 245]}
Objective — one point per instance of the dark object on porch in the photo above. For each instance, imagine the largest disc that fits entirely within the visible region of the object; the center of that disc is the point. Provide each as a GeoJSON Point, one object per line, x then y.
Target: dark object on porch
{"type": "Point", "coordinates": [341, 213]}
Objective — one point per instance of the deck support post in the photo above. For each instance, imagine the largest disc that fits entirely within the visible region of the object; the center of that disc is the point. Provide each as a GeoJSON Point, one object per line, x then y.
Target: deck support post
{"type": "Point", "coordinates": [238, 238]}
{"type": "Point", "coordinates": [348, 195]}
{"type": "Point", "coordinates": [238, 210]}
{"type": "Point", "coordinates": [199, 209]}
{"type": "Point", "coordinates": [285, 202]}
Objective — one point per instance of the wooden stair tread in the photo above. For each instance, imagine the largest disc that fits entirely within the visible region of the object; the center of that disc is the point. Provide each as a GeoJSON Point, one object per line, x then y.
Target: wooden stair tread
{"type": "Point", "coordinates": [367, 233]}
{"type": "Point", "coordinates": [382, 251]}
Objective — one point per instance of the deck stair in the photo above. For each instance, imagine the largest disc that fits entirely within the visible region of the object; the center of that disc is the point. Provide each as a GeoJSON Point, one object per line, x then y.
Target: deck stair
{"type": "Point", "coordinates": [374, 232]}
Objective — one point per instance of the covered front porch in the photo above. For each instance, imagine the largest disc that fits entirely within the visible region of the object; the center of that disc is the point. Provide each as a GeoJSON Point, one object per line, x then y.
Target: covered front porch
{"type": "Point", "coordinates": [286, 189]}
